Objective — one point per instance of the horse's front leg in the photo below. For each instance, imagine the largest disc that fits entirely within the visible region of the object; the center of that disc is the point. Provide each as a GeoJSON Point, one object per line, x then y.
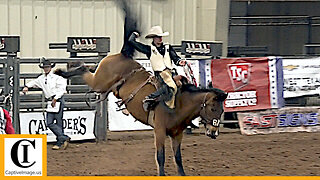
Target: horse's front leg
{"type": "Point", "coordinates": [160, 150]}
{"type": "Point", "coordinates": [176, 147]}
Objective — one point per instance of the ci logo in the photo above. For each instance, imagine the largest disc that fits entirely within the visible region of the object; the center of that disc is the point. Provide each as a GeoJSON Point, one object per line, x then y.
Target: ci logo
{"type": "Point", "coordinates": [24, 155]}
{"type": "Point", "coordinates": [26, 145]}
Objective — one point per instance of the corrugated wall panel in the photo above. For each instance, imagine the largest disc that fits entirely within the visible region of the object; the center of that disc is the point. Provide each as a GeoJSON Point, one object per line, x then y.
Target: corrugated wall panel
{"type": "Point", "coordinates": [4, 17]}
{"type": "Point", "coordinates": [26, 28]}
{"type": "Point", "coordinates": [40, 22]}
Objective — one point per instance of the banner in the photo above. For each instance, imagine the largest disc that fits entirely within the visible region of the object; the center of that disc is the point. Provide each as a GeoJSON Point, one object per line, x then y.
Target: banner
{"type": "Point", "coordinates": [251, 83]}
{"type": "Point", "coordinates": [79, 125]}
{"type": "Point", "coordinates": [301, 77]}
{"type": "Point", "coordinates": [120, 122]}
{"type": "Point", "coordinates": [280, 120]}
{"type": "Point", "coordinates": [194, 66]}
{"type": "Point", "coordinates": [205, 73]}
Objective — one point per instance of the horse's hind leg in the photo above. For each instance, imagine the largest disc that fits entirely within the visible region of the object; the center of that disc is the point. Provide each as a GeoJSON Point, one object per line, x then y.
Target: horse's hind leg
{"type": "Point", "coordinates": [73, 72]}
{"type": "Point", "coordinates": [176, 147]}
{"type": "Point", "coordinates": [160, 150]}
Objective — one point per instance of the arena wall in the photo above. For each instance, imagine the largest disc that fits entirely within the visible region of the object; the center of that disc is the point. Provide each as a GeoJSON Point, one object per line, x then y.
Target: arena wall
{"type": "Point", "coordinates": [39, 22]}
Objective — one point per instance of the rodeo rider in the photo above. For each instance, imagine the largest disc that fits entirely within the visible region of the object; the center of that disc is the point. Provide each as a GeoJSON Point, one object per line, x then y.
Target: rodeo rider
{"type": "Point", "coordinates": [161, 56]}
{"type": "Point", "coordinates": [53, 87]}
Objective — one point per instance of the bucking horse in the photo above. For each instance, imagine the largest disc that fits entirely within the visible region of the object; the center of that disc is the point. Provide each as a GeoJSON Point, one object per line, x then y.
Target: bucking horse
{"type": "Point", "coordinates": [130, 82]}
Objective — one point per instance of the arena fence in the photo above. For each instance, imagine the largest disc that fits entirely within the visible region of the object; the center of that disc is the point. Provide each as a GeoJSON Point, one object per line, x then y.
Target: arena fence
{"type": "Point", "coordinates": [12, 81]}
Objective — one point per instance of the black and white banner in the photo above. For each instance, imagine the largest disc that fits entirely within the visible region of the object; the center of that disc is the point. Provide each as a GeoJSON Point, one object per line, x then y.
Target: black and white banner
{"type": "Point", "coordinates": [79, 125]}
{"type": "Point", "coordinates": [301, 77]}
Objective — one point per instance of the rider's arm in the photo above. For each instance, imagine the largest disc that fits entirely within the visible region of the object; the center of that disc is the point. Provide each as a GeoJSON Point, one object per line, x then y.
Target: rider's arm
{"type": "Point", "coordinates": [174, 56]}
{"type": "Point", "coordinates": [145, 49]}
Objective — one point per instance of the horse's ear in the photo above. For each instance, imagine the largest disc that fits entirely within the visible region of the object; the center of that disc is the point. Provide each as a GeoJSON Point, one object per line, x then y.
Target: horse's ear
{"type": "Point", "coordinates": [222, 96]}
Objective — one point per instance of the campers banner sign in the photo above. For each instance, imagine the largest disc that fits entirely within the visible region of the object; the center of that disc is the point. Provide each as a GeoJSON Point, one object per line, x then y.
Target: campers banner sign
{"type": "Point", "coordinates": [251, 83]}
{"type": "Point", "coordinates": [79, 125]}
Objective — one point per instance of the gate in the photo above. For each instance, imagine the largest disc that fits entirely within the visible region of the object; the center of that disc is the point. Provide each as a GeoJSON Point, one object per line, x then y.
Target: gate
{"type": "Point", "coordinates": [12, 81]}
{"type": "Point", "coordinates": [9, 78]}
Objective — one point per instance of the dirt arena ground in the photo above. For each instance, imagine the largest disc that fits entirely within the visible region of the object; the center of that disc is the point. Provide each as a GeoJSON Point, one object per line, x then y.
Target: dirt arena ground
{"type": "Point", "coordinates": [232, 154]}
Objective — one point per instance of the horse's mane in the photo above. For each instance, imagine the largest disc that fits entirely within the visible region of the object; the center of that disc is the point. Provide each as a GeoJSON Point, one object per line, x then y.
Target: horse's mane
{"type": "Point", "coordinates": [193, 89]}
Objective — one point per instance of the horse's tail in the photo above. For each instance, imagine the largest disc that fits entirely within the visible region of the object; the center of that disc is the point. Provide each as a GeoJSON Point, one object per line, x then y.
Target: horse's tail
{"type": "Point", "coordinates": [130, 26]}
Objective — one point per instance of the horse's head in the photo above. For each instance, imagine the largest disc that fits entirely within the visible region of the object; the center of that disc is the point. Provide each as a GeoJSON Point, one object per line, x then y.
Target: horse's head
{"type": "Point", "coordinates": [211, 111]}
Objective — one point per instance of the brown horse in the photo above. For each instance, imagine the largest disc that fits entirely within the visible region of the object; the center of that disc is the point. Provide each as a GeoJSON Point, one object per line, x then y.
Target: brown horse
{"type": "Point", "coordinates": [129, 81]}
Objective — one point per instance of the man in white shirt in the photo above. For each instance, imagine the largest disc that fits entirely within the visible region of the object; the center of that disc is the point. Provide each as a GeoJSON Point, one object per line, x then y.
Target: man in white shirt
{"type": "Point", "coordinates": [53, 87]}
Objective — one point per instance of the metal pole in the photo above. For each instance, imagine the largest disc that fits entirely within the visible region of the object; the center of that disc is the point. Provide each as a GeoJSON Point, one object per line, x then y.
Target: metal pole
{"type": "Point", "coordinates": [309, 40]}
{"type": "Point", "coordinates": [12, 88]}
{"type": "Point", "coordinates": [101, 116]}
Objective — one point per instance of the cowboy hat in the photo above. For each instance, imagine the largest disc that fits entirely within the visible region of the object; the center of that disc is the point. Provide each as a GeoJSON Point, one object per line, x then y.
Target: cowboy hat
{"type": "Point", "coordinates": [46, 62]}
{"type": "Point", "coordinates": [156, 31]}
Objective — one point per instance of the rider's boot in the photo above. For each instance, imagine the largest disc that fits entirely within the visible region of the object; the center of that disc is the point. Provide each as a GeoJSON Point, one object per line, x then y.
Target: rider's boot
{"type": "Point", "coordinates": [153, 99]}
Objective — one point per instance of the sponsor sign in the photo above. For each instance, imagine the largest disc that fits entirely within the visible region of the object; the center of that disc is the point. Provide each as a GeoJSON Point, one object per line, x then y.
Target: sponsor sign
{"type": "Point", "coordinates": [2, 45]}
{"type": "Point", "coordinates": [280, 120]}
{"type": "Point", "coordinates": [301, 77]}
{"type": "Point", "coordinates": [9, 44]}
{"type": "Point", "coordinates": [201, 48]}
{"type": "Point", "coordinates": [251, 83]}
{"type": "Point", "coordinates": [88, 44]}
{"type": "Point", "coordinates": [24, 155]}
{"type": "Point", "coordinates": [79, 125]}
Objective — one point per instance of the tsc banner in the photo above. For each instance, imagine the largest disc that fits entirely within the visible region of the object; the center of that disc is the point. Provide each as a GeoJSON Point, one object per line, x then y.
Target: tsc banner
{"type": "Point", "coordinates": [301, 77]}
{"type": "Point", "coordinates": [251, 83]}
{"type": "Point", "coordinates": [77, 124]}
{"type": "Point", "coordinates": [280, 120]}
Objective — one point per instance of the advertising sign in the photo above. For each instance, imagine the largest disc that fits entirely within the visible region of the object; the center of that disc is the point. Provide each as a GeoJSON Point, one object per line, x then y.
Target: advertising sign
{"type": "Point", "coordinates": [301, 77]}
{"type": "Point", "coordinates": [79, 125]}
{"type": "Point", "coordinates": [88, 44]}
{"type": "Point", "coordinates": [9, 44]}
{"type": "Point", "coordinates": [280, 120]}
{"type": "Point", "coordinates": [201, 48]}
{"type": "Point", "coordinates": [251, 83]}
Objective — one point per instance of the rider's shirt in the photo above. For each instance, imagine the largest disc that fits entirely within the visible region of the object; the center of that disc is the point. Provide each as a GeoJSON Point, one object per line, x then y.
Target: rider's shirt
{"type": "Point", "coordinates": [146, 49]}
{"type": "Point", "coordinates": [158, 61]}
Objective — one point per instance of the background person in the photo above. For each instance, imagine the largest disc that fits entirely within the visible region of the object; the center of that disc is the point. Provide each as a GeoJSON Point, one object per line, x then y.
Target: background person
{"type": "Point", "coordinates": [53, 87]}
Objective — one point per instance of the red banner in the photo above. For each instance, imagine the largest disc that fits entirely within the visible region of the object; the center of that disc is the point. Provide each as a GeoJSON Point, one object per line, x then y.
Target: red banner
{"type": "Point", "coordinates": [247, 81]}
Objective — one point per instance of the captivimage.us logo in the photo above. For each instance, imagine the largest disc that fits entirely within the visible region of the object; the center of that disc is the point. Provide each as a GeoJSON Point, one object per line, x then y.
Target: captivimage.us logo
{"type": "Point", "coordinates": [24, 156]}
{"type": "Point", "coordinates": [239, 74]}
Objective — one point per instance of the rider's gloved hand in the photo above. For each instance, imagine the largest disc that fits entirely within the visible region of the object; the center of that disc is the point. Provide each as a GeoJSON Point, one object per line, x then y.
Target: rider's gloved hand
{"type": "Point", "coordinates": [137, 34]}
{"type": "Point", "coordinates": [183, 62]}
{"type": "Point", "coordinates": [133, 36]}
